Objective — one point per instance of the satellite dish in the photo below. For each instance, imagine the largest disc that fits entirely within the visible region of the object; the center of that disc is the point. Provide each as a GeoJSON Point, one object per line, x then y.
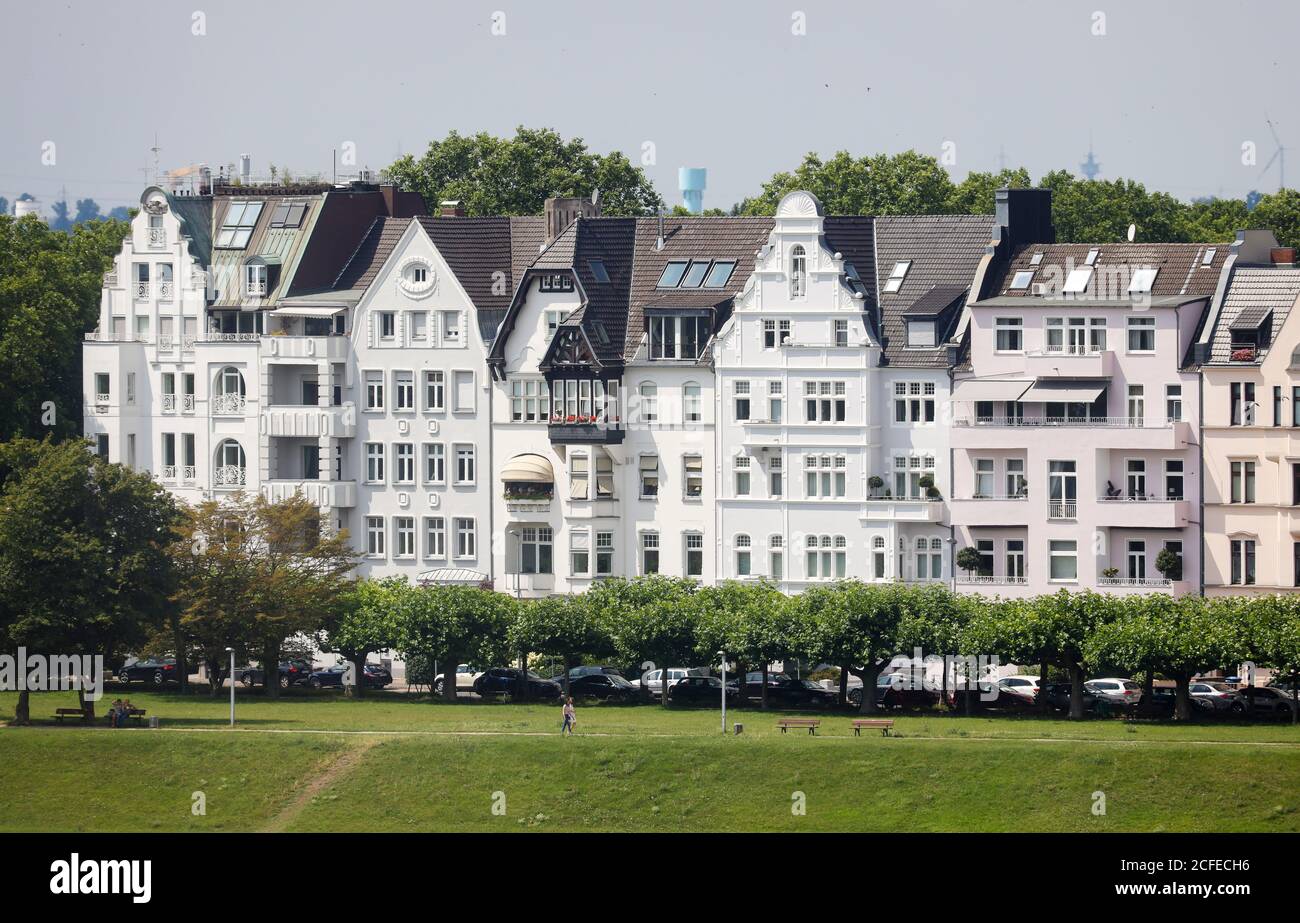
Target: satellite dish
{"type": "Point", "coordinates": [1132, 232]}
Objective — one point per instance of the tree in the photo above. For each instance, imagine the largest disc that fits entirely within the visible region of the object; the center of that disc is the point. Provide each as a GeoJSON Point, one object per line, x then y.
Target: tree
{"type": "Point", "coordinates": [448, 623]}
{"type": "Point", "coordinates": [1279, 212]}
{"type": "Point", "coordinates": [977, 193]}
{"type": "Point", "coordinates": [901, 184]}
{"type": "Point", "coordinates": [515, 176]}
{"type": "Point", "coordinates": [48, 300]}
{"type": "Point", "coordinates": [649, 618]}
{"type": "Point", "coordinates": [752, 622]}
{"type": "Point", "coordinates": [560, 626]}
{"type": "Point", "coordinates": [87, 210]}
{"type": "Point", "coordinates": [257, 572]}
{"type": "Point", "coordinates": [969, 559]}
{"type": "Point", "coordinates": [83, 563]}
{"type": "Point", "coordinates": [364, 623]}
{"type": "Point", "coordinates": [855, 624]}
{"type": "Point", "coordinates": [1169, 564]}
{"type": "Point", "coordinates": [1270, 626]}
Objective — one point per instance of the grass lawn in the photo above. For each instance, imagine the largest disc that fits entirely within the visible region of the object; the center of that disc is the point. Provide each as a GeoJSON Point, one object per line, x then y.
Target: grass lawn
{"type": "Point", "coordinates": [436, 767]}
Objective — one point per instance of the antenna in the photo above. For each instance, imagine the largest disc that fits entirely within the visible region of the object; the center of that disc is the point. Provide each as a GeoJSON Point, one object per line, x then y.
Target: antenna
{"type": "Point", "coordinates": [1090, 168]}
{"type": "Point", "coordinates": [1279, 156]}
{"type": "Point", "coordinates": [155, 149]}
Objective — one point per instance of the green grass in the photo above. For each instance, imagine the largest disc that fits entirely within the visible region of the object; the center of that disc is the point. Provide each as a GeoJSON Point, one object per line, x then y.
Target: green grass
{"type": "Point", "coordinates": [436, 767]}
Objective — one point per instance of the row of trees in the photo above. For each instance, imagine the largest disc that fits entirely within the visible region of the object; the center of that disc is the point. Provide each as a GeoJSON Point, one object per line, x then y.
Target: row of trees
{"type": "Point", "coordinates": [858, 627]}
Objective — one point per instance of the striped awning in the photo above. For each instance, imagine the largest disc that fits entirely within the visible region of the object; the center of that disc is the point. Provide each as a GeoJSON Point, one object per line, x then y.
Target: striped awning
{"type": "Point", "coordinates": [528, 469]}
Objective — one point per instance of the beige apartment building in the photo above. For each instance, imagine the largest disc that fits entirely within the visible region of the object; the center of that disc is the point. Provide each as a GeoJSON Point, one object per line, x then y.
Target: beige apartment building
{"type": "Point", "coordinates": [1250, 363]}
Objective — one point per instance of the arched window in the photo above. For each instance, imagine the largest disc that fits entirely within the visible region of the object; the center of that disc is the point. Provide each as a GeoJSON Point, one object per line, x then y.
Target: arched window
{"type": "Point", "coordinates": [742, 555]}
{"type": "Point", "coordinates": [228, 395]}
{"type": "Point", "coordinates": [230, 465]}
{"type": "Point", "coordinates": [776, 557]}
{"type": "Point", "coordinates": [798, 271]}
{"type": "Point", "coordinates": [649, 393]}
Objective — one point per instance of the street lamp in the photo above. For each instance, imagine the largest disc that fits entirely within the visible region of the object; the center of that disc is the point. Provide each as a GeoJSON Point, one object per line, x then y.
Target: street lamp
{"type": "Point", "coordinates": [723, 655]}
{"type": "Point", "coordinates": [231, 652]}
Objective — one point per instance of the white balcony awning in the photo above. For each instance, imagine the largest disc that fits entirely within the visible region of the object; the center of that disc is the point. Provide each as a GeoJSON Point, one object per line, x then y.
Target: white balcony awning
{"type": "Point", "coordinates": [528, 469]}
{"type": "Point", "coordinates": [989, 390]}
{"type": "Point", "coordinates": [453, 576]}
{"type": "Point", "coordinates": [309, 311]}
{"type": "Point", "coordinates": [1067, 390]}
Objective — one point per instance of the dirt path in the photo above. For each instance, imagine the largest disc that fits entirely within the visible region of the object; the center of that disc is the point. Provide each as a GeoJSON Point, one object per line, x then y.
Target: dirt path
{"type": "Point", "coordinates": [340, 766]}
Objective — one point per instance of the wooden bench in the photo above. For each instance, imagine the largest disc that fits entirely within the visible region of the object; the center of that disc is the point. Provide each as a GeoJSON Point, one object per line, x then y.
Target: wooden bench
{"type": "Point", "coordinates": [883, 723]}
{"type": "Point", "coordinates": [810, 723]}
{"type": "Point", "coordinates": [61, 713]}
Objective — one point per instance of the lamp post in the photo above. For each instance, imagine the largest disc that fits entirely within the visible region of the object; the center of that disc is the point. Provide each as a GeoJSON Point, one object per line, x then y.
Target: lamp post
{"type": "Point", "coordinates": [231, 651]}
{"type": "Point", "coordinates": [723, 655]}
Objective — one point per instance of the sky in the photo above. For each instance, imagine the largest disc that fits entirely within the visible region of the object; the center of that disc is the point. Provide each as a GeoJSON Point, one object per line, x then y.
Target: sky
{"type": "Point", "coordinates": [1166, 92]}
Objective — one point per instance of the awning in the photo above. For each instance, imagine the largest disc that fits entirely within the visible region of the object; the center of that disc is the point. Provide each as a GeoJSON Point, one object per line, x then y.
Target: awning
{"type": "Point", "coordinates": [453, 576]}
{"type": "Point", "coordinates": [1067, 390]}
{"type": "Point", "coordinates": [528, 469]}
{"type": "Point", "coordinates": [989, 390]}
{"type": "Point", "coordinates": [309, 311]}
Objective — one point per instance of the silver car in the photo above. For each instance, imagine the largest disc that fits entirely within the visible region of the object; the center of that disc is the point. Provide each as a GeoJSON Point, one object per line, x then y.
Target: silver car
{"type": "Point", "coordinates": [1217, 697]}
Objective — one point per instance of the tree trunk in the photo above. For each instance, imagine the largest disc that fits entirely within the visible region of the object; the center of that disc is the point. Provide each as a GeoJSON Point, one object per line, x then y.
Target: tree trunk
{"type": "Point", "coordinates": [271, 671]}
{"type": "Point", "coordinates": [869, 674]}
{"type": "Point", "coordinates": [523, 677]}
{"type": "Point", "coordinates": [182, 667]}
{"type": "Point", "coordinates": [87, 706]}
{"type": "Point", "coordinates": [741, 697]}
{"type": "Point", "coordinates": [663, 687]}
{"type": "Point", "coordinates": [358, 662]}
{"type": "Point", "coordinates": [1044, 706]}
{"type": "Point", "coordinates": [763, 695]}
{"type": "Point", "coordinates": [1148, 694]}
{"type": "Point", "coordinates": [568, 659]}
{"type": "Point", "coordinates": [1182, 698]}
{"type": "Point", "coordinates": [23, 708]}
{"type": "Point", "coordinates": [449, 679]}
{"type": "Point", "coordinates": [215, 676]}
{"type": "Point", "coordinates": [1076, 691]}
{"type": "Point", "coordinates": [844, 686]}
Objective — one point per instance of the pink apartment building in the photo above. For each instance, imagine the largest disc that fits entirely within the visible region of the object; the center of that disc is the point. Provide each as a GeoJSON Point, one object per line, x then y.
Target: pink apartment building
{"type": "Point", "coordinates": [1076, 411]}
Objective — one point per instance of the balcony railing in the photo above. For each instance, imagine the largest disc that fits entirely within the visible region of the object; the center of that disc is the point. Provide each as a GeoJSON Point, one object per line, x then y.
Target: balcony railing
{"type": "Point", "coordinates": [1062, 509]}
{"type": "Point", "coordinates": [166, 342]}
{"type": "Point", "coordinates": [187, 403]}
{"type": "Point", "coordinates": [228, 404]}
{"type": "Point", "coordinates": [991, 580]}
{"type": "Point", "coordinates": [188, 474]}
{"type": "Point", "coordinates": [169, 472]}
{"type": "Point", "coordinates": [1137, 498]}
{"type": "Point", "coordinates": [169, 403]}
{"type": "Point", "coordinates": [254, 289]}
{"type": "Point", "coordinates": [1023, 495]}
{"type": "Point", "coordinates": [102, 336]}
{"type": "Point", "coordinates": [1134, 581]}
{"type": "Point", "coordinates": [187, 344]}
{"type": "Point", "coordinates": [228, 476]}
{"type": "Point", "coordinates": [1091, 422]}
{"type": "Point", "coordinates": [1073, 349]}
{"type": "Point", "coordinates": [142, 290]}
{"type": "Point", "coordinates": [101, 403]}
{"type": "Point", "coordinates": [165, 291]}
{"type": "Point", "coordinates": [157, 238]}
{"type": "Point", "coordinates": [528, 506]}
{"type": "Point", "coordinates": [213, 336]}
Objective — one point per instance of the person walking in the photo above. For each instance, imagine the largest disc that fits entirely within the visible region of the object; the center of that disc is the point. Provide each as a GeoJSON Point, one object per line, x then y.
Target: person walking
{"type": "Point", "coordinates": [570, 717]}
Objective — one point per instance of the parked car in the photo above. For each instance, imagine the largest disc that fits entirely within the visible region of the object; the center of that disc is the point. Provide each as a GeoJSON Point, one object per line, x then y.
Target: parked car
{"type": "Point", "coordinates": [699, 690]}
{"type": "Point", "coordinates": [1268, 700]}
{"type": "Point", "coordinates": [590, 670]}
{"type": "Point", "coordinates": [604, 686]}
{"type": "Point", "coordinates": [465, 678]}
{"type": "Point", "coordinates": [154, 671]}
{"type": "Point", "coordinates": [1024, 684]}
{"type": "Point", "coordinates": [292, 673]}
{"type": "Point", "coordinates": [993, 696]}
{"type": "Point", "coordinates": [651, 684]}
{"type": "Point", "coordinates": [792, 693]}
{"type": "Point", "coordinates": [1114, 693]}
{"type": "Point", "coordinates": [374, 676]}
{"type": "Point", "coordinates": [1058, 697]}
{"type": "Point", "coordinates": [505, 681]}
{"type": "Point", "coordinates": [1217, 696]}
{"type": "Point", "coordinates": [894, 690]}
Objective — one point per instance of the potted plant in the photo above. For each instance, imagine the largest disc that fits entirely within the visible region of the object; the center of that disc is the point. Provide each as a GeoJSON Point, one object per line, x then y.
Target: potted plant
{"type": "Point", "coordinates": [875, 482]}
{"type": "Point", "coordinates": [1110, 573]}
{"type": "Point", "coordinates": [969, 560]}
{"type": "Point", "coordinates": [1169, 564]}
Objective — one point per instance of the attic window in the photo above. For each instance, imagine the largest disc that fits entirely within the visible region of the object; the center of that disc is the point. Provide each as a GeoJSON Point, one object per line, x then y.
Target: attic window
{"type": "Point", "coordinates": [1141, 281]}
{"type": "Point", "coordinates": [695, 275]}
{"type": "Point", "coordinates": [238, 224]}
{"type": "Point", "coordinates": [1208, 257]}
{"type": "Point", "coordinates": [288, 215]}
{"type": "Point", "coordinates": [895, 281]}
{"type": "Point", "coordinates": [1078, 280]}
{"type": "Point", "coordinates": [1021, 280]}
{"type": "Point", "coordinates": [598, 270]}
{"type": "Point", "coordinates": [1036, 259]}
{"type": "Point", "coordinates": [920, 333]}
{"type": "Point", "coordinates": [673, 273]}
{"type": "Point", "coordinates": [1091, 258]}
{"type": "Point", "coordinates": [720, 274]}
{"type": "Point", "coordinates": [556, 282]}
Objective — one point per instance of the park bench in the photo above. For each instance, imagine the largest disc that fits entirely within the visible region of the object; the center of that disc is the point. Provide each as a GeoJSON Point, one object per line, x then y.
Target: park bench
{"type": "Point", "coordinates": [810, 723]}
{"type": "Point", "coordinates": [883, 723]}
{"type": "Point", "coordinates": [61, 713]}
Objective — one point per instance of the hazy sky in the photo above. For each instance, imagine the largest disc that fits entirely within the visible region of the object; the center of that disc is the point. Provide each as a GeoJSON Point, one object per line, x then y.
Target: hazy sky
{"type": "Point", "coordinates": [1169, 93]}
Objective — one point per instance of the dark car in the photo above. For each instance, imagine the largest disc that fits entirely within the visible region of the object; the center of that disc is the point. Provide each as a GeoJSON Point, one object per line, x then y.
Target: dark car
{"type": "Point", "coordinates": [699, 690]}
{"type": "Point", "coordinates": [992, 696]}
{"type": "Point", "coordinates": [154, 671]}
{"type": "Point", "coordinates": [292, 673]}
{"type": "Point", "coordinates": [894, 690]}
{"type": "Point", "coordinates": [374, 677]}
{"type": "Point", "coordinates": [1058, 697]}
{"type": "Point", "coordinates": [1268, 701]}
{"type": "Point", "coordinates": [587, 670]}
{"type": "Point", "coordinates": [792, 693]}
{"type": "Point", "coordinates": [604, 686]}
{"type": "Point", "coordinates": [505, 681]}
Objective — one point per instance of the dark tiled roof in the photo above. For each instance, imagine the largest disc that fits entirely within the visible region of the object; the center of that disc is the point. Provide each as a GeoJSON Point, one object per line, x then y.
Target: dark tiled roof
{"type": "Point", "coordinates": [526, 237]}
{"type": "Point", "coordinates": [195, 214]}
{"type": "Point", "coordinates": [370, 255]}
{"type": "Point", "coordinates": [480, 253]}
{"type": "Point", "coordinates": [854, 238]}
{"type": "Point", "coordinates": [935, 301]}
{"type": "Point", "coordinates": [1255, 293]}
{"type": "Point", "coordinates": [944, 251]}
{"type": "Point", "coordinates": [1180, 267]}
{"type": "Point", "coordinates": [605, 314]}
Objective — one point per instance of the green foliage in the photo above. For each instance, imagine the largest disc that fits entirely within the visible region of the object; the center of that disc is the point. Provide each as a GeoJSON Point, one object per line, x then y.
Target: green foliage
{"type": "Point", "coordinates": [968, 559]}
{"type": "Point", "coordinates": [514, 176]}
{"type": "Point", "coordinates": [568, 627]}
{"type": "Point", "coordinates": [454, 624]}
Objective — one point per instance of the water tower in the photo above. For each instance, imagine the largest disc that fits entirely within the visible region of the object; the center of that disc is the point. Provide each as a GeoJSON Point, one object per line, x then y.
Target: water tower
{"type": "Point", "coordinates": [692, 180]}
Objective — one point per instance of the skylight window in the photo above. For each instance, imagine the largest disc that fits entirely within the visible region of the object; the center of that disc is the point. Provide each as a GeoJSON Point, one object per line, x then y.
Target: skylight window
{"type": "Point", "coordinates": [1022, 280]}
{"type": "Point", "coordinates": [695, 275]}
{"type": "Point", "coordinates": [895, 281]}
{"type": "Point", "coordinates": [1208, 258]}
{"type": "Point", "coordinates": [720, 274]}
{"type": "Point", "coordinates": [673, 273]}
{"type": "Point", "coordinates": [288, 214]}
{"type": "Point", "coordinates": [1036, 259]}
{"type": "Point", "coordinates": [1141, 281]}
{"type": "Point", "coordinates": [1091, 258]}
{"type": "Point", "coordinates": [1078, 280]}
{"type": "Point", "coordinates": [598, 270]}
{"type": "Point", "coordinates": [237, 227]}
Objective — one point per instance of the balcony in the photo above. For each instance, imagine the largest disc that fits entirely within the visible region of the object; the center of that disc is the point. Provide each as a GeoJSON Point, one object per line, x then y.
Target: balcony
{"type": "Point", "coordinates": [229, 477]}
{"type": "Point", "coordinates": [101, 403]}
{"type": "Point", "coordinates": [1135, 513]}
{"type": "Point", "coordinates": [166, 291]}
{"type": "Point", "coordinates": [1062, 509]}
{"type": "Point", "coordinates": [324, 494]}
{"type": "Point", "coordinates": [1072, 362]}
{"type": "Point", "coordinates": [1081, 434]}
{"type": "Point", "coordinates": [166, 342]}
{"type": "Point", "coordinates": [584, 432]}
{"type": "Point", "coordinates": [1134, 584]}
{"type": "Point", "coordinates": [215, 336]}
{"type": "Point", "coordinates": [168, 473]}
{"type": "Point", "coordinates": [141, 291]}
{"type": "Point", "coordinates": [528, 507]}
{"type": "Point", "coordinates": [100, 336]}
{"type": "Point", "coordinates": [255, 288]}
{"type": "Point", "coordinates": [991, 510]}
{"type": "Point", "coordinates": [228, 405]}
{"type": "Point", "coordinates": [301, 347]}
{"type": "Point", "coordinates": [188, 474]}
{"type": "Point", "coordinates": [990, 585]}
{"type": "Point", "coordinates": [901, 509]}
{"type": "Point", "coordinates": [169, 403]}
{"type": "Point", "coordinates": [339, 422]}
{"type": "Point", "coordinates": [187, 403]}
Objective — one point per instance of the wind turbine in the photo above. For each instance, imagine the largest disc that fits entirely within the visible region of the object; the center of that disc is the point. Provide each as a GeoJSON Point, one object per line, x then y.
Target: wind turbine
{"type": "Point", "coordinates": [1279, 156]}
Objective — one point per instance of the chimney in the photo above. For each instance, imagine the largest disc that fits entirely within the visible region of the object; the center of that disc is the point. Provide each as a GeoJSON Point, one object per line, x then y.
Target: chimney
{"type": "Point", "coordinates": [563, 211]}
{"type": "Point", "coordinates": [1024, 216]}
{"type": "Point", "coordinates": [1282, 256]}
{"type": "Point", "coordinates": [450, 208]}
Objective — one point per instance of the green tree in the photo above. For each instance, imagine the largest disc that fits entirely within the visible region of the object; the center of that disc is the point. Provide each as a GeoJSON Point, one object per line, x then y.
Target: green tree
{"type": "Point", "coordinates": [753, 622]}
{"type": "Point", "coordinates": [855, 624]}
{"type": "Point", "coordinates": [976, 194]}
{"type": "Point", "coordinates": [1279, 212]}
{"type": "Point", "coordinates": [900, 184]}
{"type": "Point", "coordinates": [649, 618]}
{"type": "Point", "coordinates": [50, 286]}
{"type": "Point", "coordinates": [560, 626]}
{"type": "Point", "coordinates": [1100, 211]}
{"type": "Point", "coordinates": [514, 176]}
{"type": "Point", "coordinates": [454, 623]}
{"type": "Point", "coordinates": [968, 559]}
{"type": "Point", "coordinates": [83, 552]}
{"type": "Point", "coordinates": [363, 623]}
